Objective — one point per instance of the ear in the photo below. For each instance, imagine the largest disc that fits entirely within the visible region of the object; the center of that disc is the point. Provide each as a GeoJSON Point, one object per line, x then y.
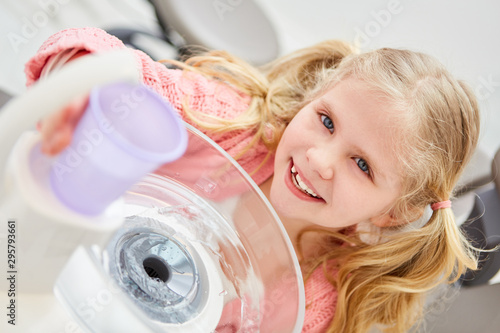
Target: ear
{"type": "Point", "coordinates": [389, 219]}
{"type": "Point", "coordinates": [385, 220]}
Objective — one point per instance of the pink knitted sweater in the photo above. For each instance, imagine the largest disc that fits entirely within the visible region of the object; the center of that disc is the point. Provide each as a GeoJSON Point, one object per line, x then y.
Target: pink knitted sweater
{"type": "Point", "coordinates": [206, 96]}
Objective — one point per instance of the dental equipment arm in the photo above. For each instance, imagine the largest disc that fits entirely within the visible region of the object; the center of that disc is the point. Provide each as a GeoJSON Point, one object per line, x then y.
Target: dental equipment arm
{"type": "Point", "coordinates": [75, 79]}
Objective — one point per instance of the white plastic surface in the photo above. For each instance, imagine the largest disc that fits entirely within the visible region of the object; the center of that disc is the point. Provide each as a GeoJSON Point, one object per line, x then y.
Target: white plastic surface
{"type": "Point", "coordinates": [48, 232]}
{"type": "Point", "coordinates": [85, 271]}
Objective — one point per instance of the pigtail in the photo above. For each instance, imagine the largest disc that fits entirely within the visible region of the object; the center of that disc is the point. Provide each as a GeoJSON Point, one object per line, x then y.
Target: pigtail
{"type": "Point", "coordinates": [462, 253]}
{"type": "Point", "coordinates": [386, 284]}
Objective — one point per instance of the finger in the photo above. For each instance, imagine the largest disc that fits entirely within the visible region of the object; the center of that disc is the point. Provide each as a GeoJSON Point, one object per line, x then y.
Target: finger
{"type": "Point", "coordinates": [58, 128]}
{"type": "Point", "coordinates": [77, 110]}
{"type": "Point", "coordinates": [57, 142]}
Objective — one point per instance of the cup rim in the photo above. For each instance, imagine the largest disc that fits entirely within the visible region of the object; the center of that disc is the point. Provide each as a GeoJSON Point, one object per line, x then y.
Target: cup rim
{"type": "Point", "coordinates": [133, 149]}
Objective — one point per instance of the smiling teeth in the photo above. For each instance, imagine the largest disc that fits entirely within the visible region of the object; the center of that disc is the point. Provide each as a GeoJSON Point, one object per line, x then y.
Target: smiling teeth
{"type": "Point", "coordinates": [301, 185]}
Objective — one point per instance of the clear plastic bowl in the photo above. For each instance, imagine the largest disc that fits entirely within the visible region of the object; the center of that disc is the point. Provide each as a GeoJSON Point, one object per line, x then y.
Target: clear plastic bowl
{"type": "Point", "coordinates": [201, 250]}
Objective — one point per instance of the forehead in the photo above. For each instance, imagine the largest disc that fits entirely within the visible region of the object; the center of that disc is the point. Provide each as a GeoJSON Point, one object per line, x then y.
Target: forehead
{"type": "Point", "coordinates": [367, 121]}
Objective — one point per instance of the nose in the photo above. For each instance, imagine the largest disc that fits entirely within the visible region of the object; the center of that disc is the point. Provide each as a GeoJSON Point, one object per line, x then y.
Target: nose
{"type": "Point", "coordinates": [321, 161]}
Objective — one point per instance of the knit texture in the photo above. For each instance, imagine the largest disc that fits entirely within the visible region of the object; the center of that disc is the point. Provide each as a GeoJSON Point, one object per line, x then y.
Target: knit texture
{"type": "Point", "coordinates": [321, 302]}
{"type": "Point", "coordinates": [206, 96]}
{"type": "Point", "coordinates": [176, 86]}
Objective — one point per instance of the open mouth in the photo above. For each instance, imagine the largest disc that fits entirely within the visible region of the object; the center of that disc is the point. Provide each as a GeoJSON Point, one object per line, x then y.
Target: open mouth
{"type": "Point", "coordinates": [300, 185]}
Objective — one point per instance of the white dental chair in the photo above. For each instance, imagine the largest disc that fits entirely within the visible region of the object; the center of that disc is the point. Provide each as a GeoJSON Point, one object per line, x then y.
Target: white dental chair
{"type": "Point", "coordinates": [237, 26]}
{"type": "Point", "coordinates": [483, 227]}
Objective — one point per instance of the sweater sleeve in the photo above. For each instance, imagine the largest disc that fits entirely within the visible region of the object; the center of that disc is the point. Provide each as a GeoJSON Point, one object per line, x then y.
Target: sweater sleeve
{"type": "Point", "coordinates": [321, 302]}
{"type": "Point", "coordinates": [204, 95]}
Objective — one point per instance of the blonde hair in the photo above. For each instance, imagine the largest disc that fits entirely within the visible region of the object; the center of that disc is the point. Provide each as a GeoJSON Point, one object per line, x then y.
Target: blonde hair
{"type": "Point", "coordinates": [278, 90]}
{"type": "Point", "coordinates": [439, 120]}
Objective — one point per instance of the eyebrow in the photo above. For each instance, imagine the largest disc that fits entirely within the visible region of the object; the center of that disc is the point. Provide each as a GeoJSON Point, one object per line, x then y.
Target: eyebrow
{"type": "Point", "coordinates": [377, 173]}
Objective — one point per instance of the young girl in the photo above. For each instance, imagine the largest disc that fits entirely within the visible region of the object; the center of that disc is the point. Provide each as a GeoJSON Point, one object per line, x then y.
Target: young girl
{"type": "Point", "coordinates": [358, 153]}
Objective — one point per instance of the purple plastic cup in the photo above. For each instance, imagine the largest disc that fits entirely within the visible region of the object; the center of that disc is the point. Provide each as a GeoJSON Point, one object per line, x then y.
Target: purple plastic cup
{"type": "Point", "coordinates": [126, 132]}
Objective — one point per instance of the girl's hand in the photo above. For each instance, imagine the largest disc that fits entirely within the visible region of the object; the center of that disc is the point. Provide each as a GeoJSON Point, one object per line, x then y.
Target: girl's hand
{"type": "Point", "coordinates": [57, 129]}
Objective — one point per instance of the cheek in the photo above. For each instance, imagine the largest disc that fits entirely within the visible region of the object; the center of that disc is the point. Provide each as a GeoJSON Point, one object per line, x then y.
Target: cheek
{"type": "Point", "coordinates": [380, 202]}
{"type": "Point", "coordinates": [285, 147]}
{"type": "Point", "coordinates": [297, 134]}
{"type": "Point", "coordinates": [360, 198]}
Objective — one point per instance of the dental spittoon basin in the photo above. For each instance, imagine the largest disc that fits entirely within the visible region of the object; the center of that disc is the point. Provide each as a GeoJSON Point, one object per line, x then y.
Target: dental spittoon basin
{"type": "Point", "coordinates": [193, 246]}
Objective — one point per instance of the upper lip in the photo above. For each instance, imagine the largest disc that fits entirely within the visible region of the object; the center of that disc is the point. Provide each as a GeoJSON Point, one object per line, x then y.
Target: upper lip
{"type": "Point", "coordinates": [304, 179]}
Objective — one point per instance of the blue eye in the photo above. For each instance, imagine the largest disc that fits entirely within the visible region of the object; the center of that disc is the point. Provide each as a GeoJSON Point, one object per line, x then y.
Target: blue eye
{"type": "Point", "coordinates": [327, 122]}
{"type": "Point", "coordinates": [362, 165]}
